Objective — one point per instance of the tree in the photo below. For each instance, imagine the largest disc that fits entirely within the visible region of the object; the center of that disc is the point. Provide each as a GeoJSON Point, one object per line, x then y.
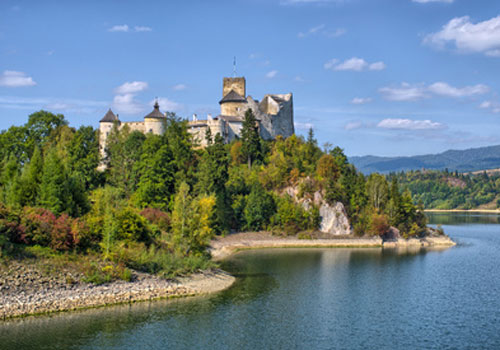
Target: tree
{"type": "Point", "coordinates": [39, 127]}
{"type": "Point", "coordinates": [377, 190]}
{"type": "Point", "coordinates": [191, 222]}
{"type": "Point", "coordinates": [53, 188]}
{"type": "Point", "coordinates": [251, 147]}
{"type": "Point", "coordinates": [124, 149]}
{"type": "Point", "coordinates": [30, 180]}
{"type": "Point", "coordinates": [156, 174]}
{"type": "Point", "coordinates": [260, 207]}
{"type": "Point", "coordinates": [10, 181]}
{"type": "Point", "coordinates": [84, 157]}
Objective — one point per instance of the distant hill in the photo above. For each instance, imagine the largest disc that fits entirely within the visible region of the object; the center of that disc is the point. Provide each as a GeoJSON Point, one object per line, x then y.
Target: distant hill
{"type": "Point", "coordinates": [468, 160]}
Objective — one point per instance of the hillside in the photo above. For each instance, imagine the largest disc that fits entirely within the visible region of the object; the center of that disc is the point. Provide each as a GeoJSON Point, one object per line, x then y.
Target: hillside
{"type": "Point", "coordinates": [468, 160]}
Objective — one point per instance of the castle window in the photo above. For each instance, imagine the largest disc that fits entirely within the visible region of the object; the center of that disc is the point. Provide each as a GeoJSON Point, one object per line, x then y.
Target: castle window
{"type": "Point", "coordinates": [150, 130]}
{"type": "Point", "coordinates": [107, 133]}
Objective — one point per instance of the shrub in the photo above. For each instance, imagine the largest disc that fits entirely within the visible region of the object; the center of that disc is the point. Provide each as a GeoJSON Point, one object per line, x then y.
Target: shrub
{"type": "Point", "coordinates": [292, 217]}
{"type": "Point", "coordinates": [36, 225]}
{"type": "Point", "coordinates": [157, 217]}
{"type": "Point", "coordinates": [379, 224]}
{"type": "Point", "coordinates": [132, 226]}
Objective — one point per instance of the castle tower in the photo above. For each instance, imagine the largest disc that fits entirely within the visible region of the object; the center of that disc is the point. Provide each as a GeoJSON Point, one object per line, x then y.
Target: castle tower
{"type": "Point", "coordinates": [105, 126]}
{"type": "Point", "coordinates": [233, 101]}
{"type": "Point", "coordinates": [154, 122]}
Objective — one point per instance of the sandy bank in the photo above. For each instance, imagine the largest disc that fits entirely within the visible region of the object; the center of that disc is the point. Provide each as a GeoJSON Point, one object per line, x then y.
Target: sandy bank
{"type": "Point", "coordinates": [222, 247]}
{"type": "Point", "coordinates": [18, 300]}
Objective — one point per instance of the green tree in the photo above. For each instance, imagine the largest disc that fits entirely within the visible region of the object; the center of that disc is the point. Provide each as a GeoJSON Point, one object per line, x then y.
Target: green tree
{"type": "Point", "coordinates": [54, 186]}
{"type": "Point", "coordinates": [377, 190]}
{"type": "Point", "coordinates": [260, 207]}
{"type": "Point", "coordinates": [251, 145]}
{"type": "Point", "coordinates": [156, 174]}
{"type": "Point", "coordinates": [30, 180]}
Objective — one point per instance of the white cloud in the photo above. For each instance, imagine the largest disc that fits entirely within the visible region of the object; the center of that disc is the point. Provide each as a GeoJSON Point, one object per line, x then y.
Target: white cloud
{"type": "Point", "coordinates": [408, 124]}
{"type": "Point", "coordinates": [427, 1]}
{"type": "Point", "coordinates": [119, 28]}
{"type": "Point", "coordinates": [271, 74]}
{"type": "Point", "coordinates": [11, 78]}
{"type": "Point", "coordinates": [361, 100]}
{"type": "Point", "coordinates": [132, 87]}
{"type": "Point", "coordinates": [299, 79]}
{"type": "Point", "coordinates": [303, 126]}
{"type": "Point", "coordinates": [313, 30]}
{"type": "Point", "coordinates": [492, 106]}
{"type": "Point", "coordinates": [65, 104]}
{"type": "Point", "coordinates": [127, 104]}
{"type": "Point", "coordinates": [405, 92]}
{"type": "Point", "coordinates": [377, 66]}
{"type": "Point", "coordinates": [179, 87]}
{"type": "Point", "coordinates": [483, 37]}
{"type": "Point", "coordinates": [353, 64]}
{"type": "Point", "coordinates": [142, 29]}
{"type": "Point", "coordinates": [353, 125]}
{"type": "Point", "coordinates": [167, 104]}
{"type": "Point", "coordinates": [445, 89]}
{"type": "Point", "coordinates": [320, 29]}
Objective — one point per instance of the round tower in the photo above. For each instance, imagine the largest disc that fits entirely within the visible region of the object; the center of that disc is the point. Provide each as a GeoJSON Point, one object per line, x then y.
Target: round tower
{"type": "Point", "coordinates": [105, 127]}
{"type": "Point", "coordinates": [154, 122]}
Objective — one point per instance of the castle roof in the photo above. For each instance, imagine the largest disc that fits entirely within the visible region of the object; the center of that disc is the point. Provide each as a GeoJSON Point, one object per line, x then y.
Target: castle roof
{"type": "Point", "coordinates": [232, 96]}
{"type": "Point", "coordinates": [109, 117]}
{"type": "Point", "coordinates": [156, 112]}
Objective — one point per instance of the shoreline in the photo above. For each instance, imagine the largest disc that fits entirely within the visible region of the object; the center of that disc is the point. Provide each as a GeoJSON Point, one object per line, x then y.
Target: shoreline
{"type": "Point", "coordinates": [17, 300]}
{"type": "Point", "coordinates": [145, 287]}
{"type": "Point", "coordinates": [224, 247]}
{"type": "Point", "coordinates": [485, 211]}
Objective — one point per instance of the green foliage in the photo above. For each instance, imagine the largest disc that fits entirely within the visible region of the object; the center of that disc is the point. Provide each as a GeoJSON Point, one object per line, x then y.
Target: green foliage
{"type": "Point", "coordinates": [259, 208]}
{"type": "Point", "coordinates": [251, 144]}
{"type": "Point", "coordinates": [292, 217]}
{"type": "Point", "coordinates": [445, 190]}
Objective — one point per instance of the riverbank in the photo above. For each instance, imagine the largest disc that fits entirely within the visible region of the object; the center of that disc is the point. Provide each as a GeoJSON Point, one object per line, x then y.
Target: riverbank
{"type": "Point", "coordinates": [479, 211]}
{"type": "Point", "coordinates": [24, 291]}
{"type": "Point", "coordinates": [223, 247]}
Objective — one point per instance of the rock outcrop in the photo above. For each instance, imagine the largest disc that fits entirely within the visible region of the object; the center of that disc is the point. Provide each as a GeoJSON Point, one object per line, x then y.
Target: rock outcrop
{"type": "Point", "coordinates": [334, 221]}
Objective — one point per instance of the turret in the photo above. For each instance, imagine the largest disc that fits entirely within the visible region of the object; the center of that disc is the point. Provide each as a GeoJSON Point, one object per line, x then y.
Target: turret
{"type": "Point", "coordinates": [154, 122]}
{"type": "Point", "coordinates": [105, 126]}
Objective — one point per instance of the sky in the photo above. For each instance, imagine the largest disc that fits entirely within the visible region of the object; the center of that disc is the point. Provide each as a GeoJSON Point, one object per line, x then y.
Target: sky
{"type": "Point", "coordinates": [379, 77]}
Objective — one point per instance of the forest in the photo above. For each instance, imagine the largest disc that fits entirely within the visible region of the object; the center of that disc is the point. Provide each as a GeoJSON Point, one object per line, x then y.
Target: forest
{"type": "Point", "coordinates": [162, 198]}
{"type": "Point", "coordinates": [452, 190]}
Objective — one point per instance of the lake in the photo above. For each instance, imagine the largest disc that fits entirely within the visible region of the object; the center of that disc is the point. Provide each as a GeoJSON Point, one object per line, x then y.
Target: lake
{"type": "Point", "coordinates": [311, 299]}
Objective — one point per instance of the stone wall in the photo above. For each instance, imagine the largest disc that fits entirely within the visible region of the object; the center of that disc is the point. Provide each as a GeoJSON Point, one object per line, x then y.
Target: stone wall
{"type": "Point", "coordinates": [236, 84]}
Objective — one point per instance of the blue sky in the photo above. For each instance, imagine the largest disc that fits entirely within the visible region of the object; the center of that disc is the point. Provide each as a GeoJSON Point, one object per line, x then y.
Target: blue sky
{"type": "Point", "coordinates": [383, 77]}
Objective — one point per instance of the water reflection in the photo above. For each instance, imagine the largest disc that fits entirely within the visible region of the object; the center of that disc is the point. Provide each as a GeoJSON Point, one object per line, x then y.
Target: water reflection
{"type": "Point", "coordinates": [458, 218]}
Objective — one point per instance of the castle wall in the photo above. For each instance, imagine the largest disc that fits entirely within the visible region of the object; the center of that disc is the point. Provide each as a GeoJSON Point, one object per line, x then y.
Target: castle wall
{"type": "Point", "coordinates": [198, 130]}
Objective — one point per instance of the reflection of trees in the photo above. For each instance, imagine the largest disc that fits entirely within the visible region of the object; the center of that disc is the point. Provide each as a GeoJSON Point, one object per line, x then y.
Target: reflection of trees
{"type": "Point", "coordinates": [462, 218]}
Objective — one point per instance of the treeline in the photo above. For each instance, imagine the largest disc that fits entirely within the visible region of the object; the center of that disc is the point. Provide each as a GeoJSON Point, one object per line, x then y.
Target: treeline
{"type": "Point", "coordinates": [160, 200]}
{"type": "Point", "coordinates": [452, 190]}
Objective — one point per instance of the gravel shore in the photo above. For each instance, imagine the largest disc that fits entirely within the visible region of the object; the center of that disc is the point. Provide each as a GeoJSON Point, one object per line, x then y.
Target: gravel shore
{"type": "Point", "coordinates": [25, 290]}
{"type": "Point", "coordinates": [222, 247]}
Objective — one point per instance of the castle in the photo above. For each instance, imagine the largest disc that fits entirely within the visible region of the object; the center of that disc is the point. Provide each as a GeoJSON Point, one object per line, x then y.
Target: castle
{"type": "Point", "coordinates": [274, 116]}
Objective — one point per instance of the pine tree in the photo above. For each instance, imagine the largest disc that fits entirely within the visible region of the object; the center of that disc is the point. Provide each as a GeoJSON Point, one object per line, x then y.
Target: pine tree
{"type": "Point", "coordinates": [30, 180]}
{"type": "Point", "coordinates": [251, 147]}
{"type": "Point", "coordinates": [54, 192]}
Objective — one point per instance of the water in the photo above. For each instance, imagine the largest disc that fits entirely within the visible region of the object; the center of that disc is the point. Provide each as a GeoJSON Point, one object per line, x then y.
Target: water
{"type": "Point", "coordinates": [311, 299]}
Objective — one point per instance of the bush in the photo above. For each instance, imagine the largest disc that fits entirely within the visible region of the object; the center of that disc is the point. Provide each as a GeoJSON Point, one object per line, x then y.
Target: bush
{"type": "Point", "coordinates": [157, 217]}
{"type": "Point", "coordinates": [132, 226]}
{"type": "Point", "coordinates": [379, 224]}
{"type": "Point", "coordinates": [292, 217]}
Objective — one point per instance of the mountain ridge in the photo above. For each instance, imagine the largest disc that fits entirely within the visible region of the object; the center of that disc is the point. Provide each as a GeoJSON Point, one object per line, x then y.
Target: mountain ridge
{"type": "Point", "coordinates": [468, 160]}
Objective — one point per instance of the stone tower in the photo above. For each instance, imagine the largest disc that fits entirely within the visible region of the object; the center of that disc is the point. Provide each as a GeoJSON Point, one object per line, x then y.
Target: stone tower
{"type": "Point", "coordinates": [154, 122]}
{"type": "Point", "coordinates": [233, 101]}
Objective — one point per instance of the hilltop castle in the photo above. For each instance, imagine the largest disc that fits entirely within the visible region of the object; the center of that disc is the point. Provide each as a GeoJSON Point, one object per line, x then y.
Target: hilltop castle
{"type": "Point", "coordinates": [274, 115]}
